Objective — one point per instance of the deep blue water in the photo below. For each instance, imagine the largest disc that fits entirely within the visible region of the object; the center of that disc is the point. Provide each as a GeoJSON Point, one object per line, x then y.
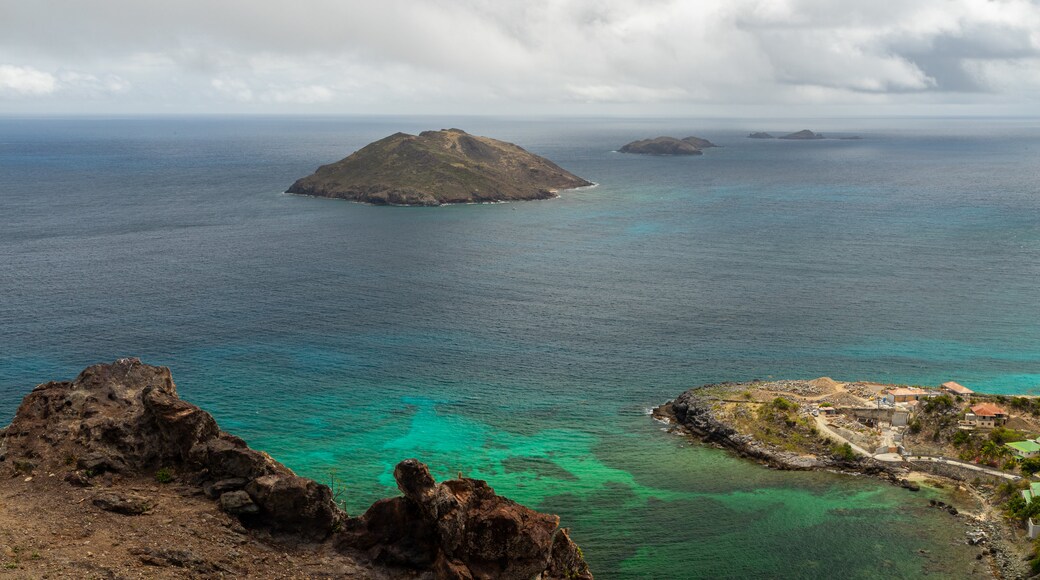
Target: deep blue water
{"type": "Point", "coordinates": [522, 342]}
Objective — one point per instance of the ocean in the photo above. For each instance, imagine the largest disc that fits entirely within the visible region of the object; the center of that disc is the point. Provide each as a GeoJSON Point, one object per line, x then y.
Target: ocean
{"type": "Point", "coordinates": [524, 343]}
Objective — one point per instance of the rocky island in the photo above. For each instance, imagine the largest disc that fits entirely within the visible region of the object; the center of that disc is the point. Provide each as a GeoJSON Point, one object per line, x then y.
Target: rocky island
{"type": "Point", "coordinates": [667, 146]}
{"type": "Point", "coordinates": [760, 135]}
{"type": "Point", "coordinates": [438, 167]}
{"type": "Point", "coordinates": [803, 135]}
{"type": "Point", "coordinates": [984, 448]}
{"type": "Point", "coordinates": [112, 475]}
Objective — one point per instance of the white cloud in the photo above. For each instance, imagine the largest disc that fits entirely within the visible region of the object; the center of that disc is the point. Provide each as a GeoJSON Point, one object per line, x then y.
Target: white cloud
{"type": "Point", "coordinates": [496, 55]}
{"type": "Point", "coordinates": [26, 81]}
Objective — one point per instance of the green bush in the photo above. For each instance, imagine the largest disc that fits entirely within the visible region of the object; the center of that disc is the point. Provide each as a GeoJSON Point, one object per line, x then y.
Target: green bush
{"type": "Point", "coordinates": [164, 475]}
{"type": "Point", "coordinates": [782, 404]}
{"type": "Point", "coordinates": [844, 452]}
{"type": "Point", "coordinates": [940, 404]}
{"type": "Point", "coordinates": [960, 438]}
{"type": "Point", "coordinates": [1030, 466]}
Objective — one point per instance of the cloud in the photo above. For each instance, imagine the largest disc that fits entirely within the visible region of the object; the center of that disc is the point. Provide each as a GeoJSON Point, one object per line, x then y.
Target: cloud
{"type": "Point", "coordinates": [25, 81]}
{"type": "Point", "coordinates": [489, 55]}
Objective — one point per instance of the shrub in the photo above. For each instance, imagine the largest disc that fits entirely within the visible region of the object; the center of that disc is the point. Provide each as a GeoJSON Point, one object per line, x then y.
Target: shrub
{"type": "Point", "coordinates": [960, 438]}
{"type": "Point", "coordinates": [940, 404]}
{"type": "Point", "coordinates": [844, 452]}
{"type": "Point", "coordinates": [915, 426]}
{"type": "Point", "coordinates": [1030, 466]}
{"type": "Point", "coordinates": [782, 404]}
{"type": "Point", "coordinates": [1001, 435]}
{"type": "Point", "coordinates": [164, 475]}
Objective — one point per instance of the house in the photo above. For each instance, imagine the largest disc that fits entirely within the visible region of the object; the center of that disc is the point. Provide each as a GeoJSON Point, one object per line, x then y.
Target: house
{"type": "Point", "coordinates": [907, 394]}
{"type": "Point", "coordinates": [986, 415]}
{"type": "Point", "coordinates": [1028, 495]}
{"type": "Point", "coordinates": [1024, 449]}
{"type": "Point", "coordinates": [956, 389]}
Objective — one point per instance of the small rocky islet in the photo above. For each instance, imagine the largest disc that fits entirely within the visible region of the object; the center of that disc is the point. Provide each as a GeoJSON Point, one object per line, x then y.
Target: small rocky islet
{"type": "Point", "coordinates": [667, 146]}
{"type": "Point", "coordinates": [803, 135]}
{"type": "Point", "coordinates": [432, 168]}
{"type": "Point", "coordinates": [113, 475]}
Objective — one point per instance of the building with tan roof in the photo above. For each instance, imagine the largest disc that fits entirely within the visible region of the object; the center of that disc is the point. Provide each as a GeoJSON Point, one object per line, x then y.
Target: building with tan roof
{"type": "Point", "coordinates": [956, 389]}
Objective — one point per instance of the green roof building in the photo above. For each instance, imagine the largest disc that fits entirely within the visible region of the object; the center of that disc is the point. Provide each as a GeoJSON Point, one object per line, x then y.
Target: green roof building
{"type": "Point", "coordinates": [1024, 449]}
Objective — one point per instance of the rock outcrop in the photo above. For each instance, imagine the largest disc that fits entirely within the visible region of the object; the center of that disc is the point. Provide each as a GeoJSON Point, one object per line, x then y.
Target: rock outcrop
{"type": "Point", "coordinates": [463, 530]}
{"type": "Point", "coordinates": [661, 146]}
{"type": "Point", "coordinates": [125, 420]}
{"type": "Point", "coordinates": [438, 167]}
{"type": "Point", "coordinates": [760, 135]}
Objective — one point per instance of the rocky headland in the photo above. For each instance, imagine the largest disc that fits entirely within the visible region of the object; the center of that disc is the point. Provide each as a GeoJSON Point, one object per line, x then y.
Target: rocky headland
{"type": "Point", "coordinates": [112, 475]}
{"type": "Point", "coordinates": [704, 413]}
{"type": "Point", "coordinates": [438, 167]}
{"type": "Point", "coordinates": [667, 146]}
{"type": "Point", "coordinates": [779, 424]}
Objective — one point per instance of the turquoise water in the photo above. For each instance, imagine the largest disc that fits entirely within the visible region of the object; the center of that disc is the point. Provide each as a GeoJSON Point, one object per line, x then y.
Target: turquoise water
{"type": "Point", "coordinates": [523, 343]}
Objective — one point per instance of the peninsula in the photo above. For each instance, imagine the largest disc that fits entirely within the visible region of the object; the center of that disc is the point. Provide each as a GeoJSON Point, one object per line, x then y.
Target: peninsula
{"type": "Point", "coordinates": [438, 167]}
{"type": "Point", "coordinates": [983, 447]}
{"type": "Point", "coordinates": [112, 475]}
{"type": "Point", "coordinates": [667, 146]}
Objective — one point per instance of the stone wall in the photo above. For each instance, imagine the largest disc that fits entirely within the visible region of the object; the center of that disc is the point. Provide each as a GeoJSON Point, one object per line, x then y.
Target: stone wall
{"type": "Point", "coordinates": [954, 471]}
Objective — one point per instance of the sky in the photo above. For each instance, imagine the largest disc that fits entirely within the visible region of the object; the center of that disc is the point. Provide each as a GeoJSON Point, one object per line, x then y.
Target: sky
{"type": "Point", "coordinates": [767, 58]}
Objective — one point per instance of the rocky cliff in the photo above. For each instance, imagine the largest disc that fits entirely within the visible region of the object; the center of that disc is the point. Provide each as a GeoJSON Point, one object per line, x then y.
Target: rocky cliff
{"type": "Point", "coordinates": [118, 446]}
{"type": "Point", "coordinates": [438, 167]}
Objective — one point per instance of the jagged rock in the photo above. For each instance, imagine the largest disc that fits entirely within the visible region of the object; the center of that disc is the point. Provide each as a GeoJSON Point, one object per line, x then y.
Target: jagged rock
{"type": "Point", "coordinates": [78, 479]}
{"type": "Point", "coordinates": [128, 505]}
{"type": "Point", "coordinates": [290, 503]}
{"type": "Point", "coordinates": [97, 463]}
{"type": "Point", "coordinates": [126, 418]}
{"type": "Point", "coordinates": [238, 503]}
{"type": "Point", "coordinates": [465, 529]}
{"type": "Point", "coordinates": [567, 560]}
{"type": "Point", "coordinates": [214, 489]}
{"type": "Point", "coordinates": [393, 531]}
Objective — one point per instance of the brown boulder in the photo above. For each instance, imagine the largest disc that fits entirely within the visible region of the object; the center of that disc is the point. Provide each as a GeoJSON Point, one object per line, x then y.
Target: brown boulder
{"type": "Point", "coordinates": [128, 505]}
{"type": "Point", "coordinates": [470, 531]}
{"type": "Point", "coordinates": [290, 503]}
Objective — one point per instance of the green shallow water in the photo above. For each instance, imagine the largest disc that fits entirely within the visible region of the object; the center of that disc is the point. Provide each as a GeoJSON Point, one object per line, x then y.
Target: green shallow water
{"type": "Point", "coordinates": [642, 502]}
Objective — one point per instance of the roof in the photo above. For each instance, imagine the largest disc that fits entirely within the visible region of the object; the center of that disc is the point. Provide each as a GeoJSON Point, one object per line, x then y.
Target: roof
{"type": "Point", "coordinates": [957, 388]}
{"type": "Point", "coordinates": [987, 410]}
{"type": "Point", "coordinates": [906, 391]}
{"type": "Point", "coordinates": [1033, 491]}
{"type": "Point", "coordinates": [1024, 446]}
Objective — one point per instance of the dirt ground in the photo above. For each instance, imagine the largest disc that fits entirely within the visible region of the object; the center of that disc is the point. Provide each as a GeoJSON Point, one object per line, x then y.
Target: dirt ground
{"type": "Point", "coordinates": [51, 529]}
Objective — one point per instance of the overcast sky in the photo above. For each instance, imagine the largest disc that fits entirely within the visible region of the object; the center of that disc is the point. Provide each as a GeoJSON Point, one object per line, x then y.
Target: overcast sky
{"type": "Point", "coordinates": [625, 57]}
